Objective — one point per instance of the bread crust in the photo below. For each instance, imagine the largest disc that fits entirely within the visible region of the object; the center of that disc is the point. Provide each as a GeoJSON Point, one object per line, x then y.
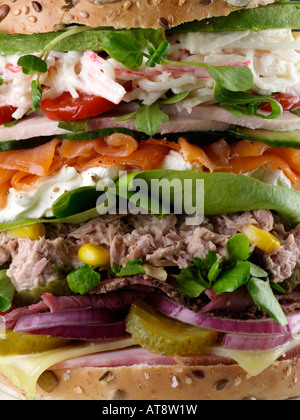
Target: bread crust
{"type": "Point", "coordinates": [23, 16]}
{"type": "Point", "coordinates": [178, 382]}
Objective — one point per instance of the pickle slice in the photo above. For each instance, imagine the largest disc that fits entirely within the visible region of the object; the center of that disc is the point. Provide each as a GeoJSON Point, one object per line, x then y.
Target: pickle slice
{"type": "Point", "coordinates": [12, 343]}
{"type": "Point", "coordinates": [162, 335]}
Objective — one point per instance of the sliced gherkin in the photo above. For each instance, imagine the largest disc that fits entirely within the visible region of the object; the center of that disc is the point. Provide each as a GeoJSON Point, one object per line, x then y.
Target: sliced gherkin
{"type": "Point", "coordinates": [166, 336]}
{"type": "Point", "coordinates": [57, 287]}
{"type": "Point", "coordinates": [12, 343]}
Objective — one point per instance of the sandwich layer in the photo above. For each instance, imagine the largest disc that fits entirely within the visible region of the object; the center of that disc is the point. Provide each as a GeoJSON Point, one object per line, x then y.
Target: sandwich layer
{"type": "Point", "coordinates": [221, 381]}
{"type": "Point", "coordinates": [50, 15]}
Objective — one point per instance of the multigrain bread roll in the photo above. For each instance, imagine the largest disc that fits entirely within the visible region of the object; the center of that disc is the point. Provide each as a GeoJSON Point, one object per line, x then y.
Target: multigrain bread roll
{"type": "Point", "coordinates": [178, 382]}
{"type": "Point", "coordinates": [88, 88]}
{"type": "Point", "coordinates": [22, 16]}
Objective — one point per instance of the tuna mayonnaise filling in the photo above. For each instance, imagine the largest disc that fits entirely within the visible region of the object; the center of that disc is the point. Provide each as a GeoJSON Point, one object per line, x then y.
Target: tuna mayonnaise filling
{"type": "Point", "coordinates": [166, 242]}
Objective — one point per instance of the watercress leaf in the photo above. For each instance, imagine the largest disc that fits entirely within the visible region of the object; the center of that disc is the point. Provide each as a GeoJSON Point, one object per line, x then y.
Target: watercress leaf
{"type": "Point", "coordinates": [277, 287]}
{"type": "Point", "coordinates": [256, 271]}
{"type": "Point", "coordinates": [125, 117]}
{"type": "Point", "coordinates": [237, 248]}
{"type": "Point", "coordinates": [150, 47]}
{"type": "Point", "coordinates": [263, 296]}
{"type": "Point", "coordinates": [138, 261]}
{"type": "Point", "coordinates": [159, 55]}
{"type": "Point", "coordinates": [295, 111]}
{"type": "Point", "coordinates": [125, 48]}
{"type": "Point", "coordinates": [215, 270]}
{"type": "Point", "coordinates": [174, 99]}
{"type": "Point", "coordinates": [116, 268]}
{"type": "Point", "coordinates": [235, 111]}
{"type": "Point", "coordinates": [233, 278]}
{"type": "Point", "coordinates": [7, 291]}
{"type": "Point", "coordinates": [190, 282]}
{"type": "Point", "coordinates": [149, 118]}
{"type": "Point", "coordinates": [36, 95]}
{"type": "Point", "coordinates": [32, 64]}
{"type": "Point", "coordinates": [83, 279]}
{"type": "Point", "coordinates": [74, 126]}
{"type": "Point", "coordinates": [200, 265]}
{"type": "Point", "coordinates": [246, 103]}
{"type": "Point", "coordinates": [233, 78]}
{"type": "Point", "coordinates": [132, 268]}
{"type": "Point", "coordinates": [1, 81]}
{"type": "Point", "coordinates": [211, 258]}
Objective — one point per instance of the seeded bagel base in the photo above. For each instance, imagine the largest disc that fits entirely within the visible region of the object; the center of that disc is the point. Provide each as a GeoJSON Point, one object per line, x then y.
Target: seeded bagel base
{"type": "Point", "coordinates": [178, 382]}
{"type": "Point", "coordinates": [27, 17]}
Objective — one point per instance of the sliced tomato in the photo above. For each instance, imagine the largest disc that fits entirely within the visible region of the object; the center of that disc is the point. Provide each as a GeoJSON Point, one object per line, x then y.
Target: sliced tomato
{"type": "Point", "coordinates": [287, 101]}
{"type": "Point", "coordinates": [67, 108]}
{"type": "Point", "coordinates": [6, 113]}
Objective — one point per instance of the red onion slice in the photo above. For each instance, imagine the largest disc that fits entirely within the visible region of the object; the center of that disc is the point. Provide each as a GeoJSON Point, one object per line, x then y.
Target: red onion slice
{"type": "Point", "coordinates": [65, 318]}
{"type": "Point", "coordinates": [112, 331]}
{"type": "Point", "coordinates": [237, 326]}
{"type": "Point", "coordinates": [255, 342]}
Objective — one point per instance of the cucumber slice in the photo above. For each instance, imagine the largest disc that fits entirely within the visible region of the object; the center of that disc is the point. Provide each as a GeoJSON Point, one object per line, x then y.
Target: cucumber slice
{"type": "Point", "coordinates": [289, 139]}
{"type": "Point", "coordinates": [90, 40]}
{"type": "Point", "coordinates": [163, 335]}
{"type": "Point", "coordinates": [279, 15]}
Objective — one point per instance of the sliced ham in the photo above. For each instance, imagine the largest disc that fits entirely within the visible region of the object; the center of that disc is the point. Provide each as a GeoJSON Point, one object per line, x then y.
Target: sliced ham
{"type": "Point", "coordinates": [40, 125]}
{"type": "Point", "coordinates": [286, 122]}
{"type": "Point", "coordinates": [125, 357]}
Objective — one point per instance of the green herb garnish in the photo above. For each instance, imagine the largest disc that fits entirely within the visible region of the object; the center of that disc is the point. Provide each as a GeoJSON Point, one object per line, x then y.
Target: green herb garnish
{"type": "Point", "coordinates": [227, 275]}
{"type": "Point", "coordinates": [131, 268]}
{"type": "Point", "coordinates": [7, 291]}
{"type": "Point", "coordinates": [83, 279]}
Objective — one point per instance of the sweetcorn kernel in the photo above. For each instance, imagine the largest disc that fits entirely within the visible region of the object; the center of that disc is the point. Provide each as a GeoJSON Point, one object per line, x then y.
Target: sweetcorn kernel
{"type": "Point", "coordinates": [262, 239]}
{"type": "Point", "coordinates": [33, 232]}
{"type": "Point", "coordinates": [94, 255]}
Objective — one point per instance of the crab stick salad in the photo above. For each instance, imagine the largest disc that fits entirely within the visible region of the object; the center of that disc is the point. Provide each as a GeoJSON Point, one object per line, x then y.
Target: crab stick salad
{"type": "Point", "coordinates": [205, 96]}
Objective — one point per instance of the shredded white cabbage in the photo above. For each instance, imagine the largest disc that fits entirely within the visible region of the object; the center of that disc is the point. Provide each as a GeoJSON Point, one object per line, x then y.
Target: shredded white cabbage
{"type": "Point", "coordinates": [272, 55]}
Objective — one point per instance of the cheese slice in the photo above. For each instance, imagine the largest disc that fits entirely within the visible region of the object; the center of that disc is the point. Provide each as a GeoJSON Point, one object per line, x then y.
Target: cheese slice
{"type": "Point", "coordinates": [25, 370]}
{"type": "Point", "coordinates": [256, 362]}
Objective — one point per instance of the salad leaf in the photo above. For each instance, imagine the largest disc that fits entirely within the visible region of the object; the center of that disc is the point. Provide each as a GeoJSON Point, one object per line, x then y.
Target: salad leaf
{"type": "Point", "coordinates": [76, 201]}
{"type": "Point", "coordinates": [36, 95]}
{"type": "Point", "coordinates": [31, 64]}
{"type": "Point", "coordinates": [7, 291]}
{"type": "Point", "coordinates": [237, 248]}
{"type": "Point", "coordinates": [226, 192]}
{"type": "Point", "coordinates": [261, 292]}
{"type": "Point", "coordinates": [132, 268]}
{"type": "Point", "coordinates": [244, 103]}
{"type": "Point", "coordinates": [232, 78]}
{"type": "Point", "coordinates": [126, 49]}
{"type": "Point", "coordinates": [190, 282]}
{"type": "Point", "coordinates": [233, 278]}
{"type": "Point", "coordinates": [83, 279]}
{"type": "Point", "coordinates": [149, 118]}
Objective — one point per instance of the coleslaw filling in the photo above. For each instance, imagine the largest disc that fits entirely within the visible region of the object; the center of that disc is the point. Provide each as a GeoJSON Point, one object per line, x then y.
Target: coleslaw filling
{"type": "Point", "coordinates": [272, 55]}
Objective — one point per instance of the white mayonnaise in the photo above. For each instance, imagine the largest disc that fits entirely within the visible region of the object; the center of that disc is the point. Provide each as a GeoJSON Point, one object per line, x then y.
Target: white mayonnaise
{"type": "Point", "coordinates": [38, 202]}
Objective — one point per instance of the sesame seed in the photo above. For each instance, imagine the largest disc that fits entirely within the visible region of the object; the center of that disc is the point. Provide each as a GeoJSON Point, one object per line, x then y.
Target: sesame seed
{"type": "Point", "coordinates": [32, 19]}
{"type": "Point", "coordinates": [127, 5]}
{"type": "Point", "coordinates": [188, 380]}
{"type": "Point", "coordinates": [288, 371]}
{"type": "Point", "coordinates": [84, 15]}
{"type": "Point", "coordinates": [17, 12]}
{"type": "Point", "coordinates": [25, 10]}
{"type": "Point", "coordinates": [78, 390]}
{"type": "Point", "coordinates": [181, 2]}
